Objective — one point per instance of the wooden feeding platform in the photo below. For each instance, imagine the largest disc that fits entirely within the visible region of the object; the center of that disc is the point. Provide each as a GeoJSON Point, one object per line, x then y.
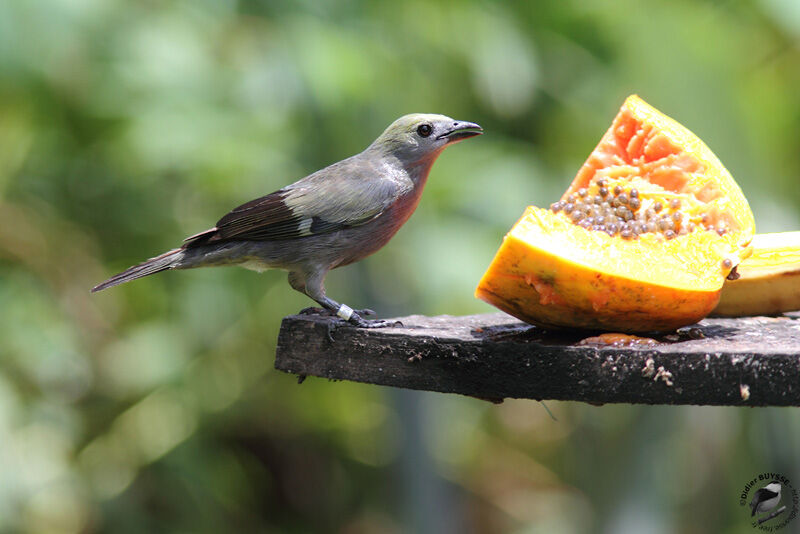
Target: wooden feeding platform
{"type": "Point", "coordinates": [749, 361]}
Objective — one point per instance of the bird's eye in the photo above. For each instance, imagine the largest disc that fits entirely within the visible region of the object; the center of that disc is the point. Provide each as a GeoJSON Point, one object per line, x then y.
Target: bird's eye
{"type": "Point", "coordinates": [424, 130]}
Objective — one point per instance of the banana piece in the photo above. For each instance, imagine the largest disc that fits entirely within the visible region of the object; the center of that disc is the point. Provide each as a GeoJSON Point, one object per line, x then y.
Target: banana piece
{"type": "Point", "coordinates": [769, 282]}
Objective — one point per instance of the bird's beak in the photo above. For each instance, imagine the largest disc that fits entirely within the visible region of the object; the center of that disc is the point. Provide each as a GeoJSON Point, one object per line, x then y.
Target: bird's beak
{"type": "Point", "coordinates": [460, 131]}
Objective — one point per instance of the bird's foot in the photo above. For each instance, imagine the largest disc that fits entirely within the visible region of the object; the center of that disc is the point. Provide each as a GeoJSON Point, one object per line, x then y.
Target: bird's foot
{"type": "Point", "coordinates": [373, 323]}
{"type": "Point", "coordinates": [359, 322]}
{"type": "Point", "coordinates": [313, 310]}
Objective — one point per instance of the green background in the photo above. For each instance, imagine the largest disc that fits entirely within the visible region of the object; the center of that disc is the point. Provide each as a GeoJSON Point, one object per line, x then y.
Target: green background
{"type": "Point", "coordinates": [153, 407]}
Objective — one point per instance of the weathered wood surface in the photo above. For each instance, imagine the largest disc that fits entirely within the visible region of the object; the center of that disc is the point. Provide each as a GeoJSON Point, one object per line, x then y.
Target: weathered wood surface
{"type": "Point", "coordinates": [753, 361]}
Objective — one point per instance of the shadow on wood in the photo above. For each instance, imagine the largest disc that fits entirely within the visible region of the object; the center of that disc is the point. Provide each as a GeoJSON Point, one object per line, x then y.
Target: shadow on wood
{"type": "Point", "coordinates": [752, 361]}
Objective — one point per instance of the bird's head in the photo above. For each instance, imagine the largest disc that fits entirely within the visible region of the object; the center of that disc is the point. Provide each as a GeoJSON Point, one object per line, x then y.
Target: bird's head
{"type": "Point", "coordinates": [774, 487]}
{"type": "Point", "coordinates": [420, 137]}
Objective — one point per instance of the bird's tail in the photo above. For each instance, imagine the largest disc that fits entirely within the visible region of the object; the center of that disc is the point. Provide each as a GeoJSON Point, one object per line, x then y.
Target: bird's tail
{"type": "Point", "coordinates": [168, 260]}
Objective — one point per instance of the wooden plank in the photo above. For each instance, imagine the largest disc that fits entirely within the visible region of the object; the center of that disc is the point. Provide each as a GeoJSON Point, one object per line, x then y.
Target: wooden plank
{"type": "Point", "coordinates": [752, 361]}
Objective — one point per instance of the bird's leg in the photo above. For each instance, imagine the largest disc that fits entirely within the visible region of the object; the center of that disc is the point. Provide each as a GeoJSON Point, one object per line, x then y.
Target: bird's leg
{"type": "Point", "coordinates": [312, 285]}
{"type": "Point", "coordinates": [343, 311]}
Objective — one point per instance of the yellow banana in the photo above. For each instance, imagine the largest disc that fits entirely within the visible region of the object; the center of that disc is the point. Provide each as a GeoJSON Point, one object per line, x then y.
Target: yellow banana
{"type": "Point", "coordinates": [769, 280]}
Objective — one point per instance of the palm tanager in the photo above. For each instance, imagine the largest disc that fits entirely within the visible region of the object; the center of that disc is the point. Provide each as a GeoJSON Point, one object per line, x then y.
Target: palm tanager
{"type": "Point", "coordinates": [333, 217]}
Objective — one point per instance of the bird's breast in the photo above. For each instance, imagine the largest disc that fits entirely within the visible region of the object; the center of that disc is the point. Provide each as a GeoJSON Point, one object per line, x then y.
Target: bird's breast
{"type": "Point", "coordinates": [362, 241]}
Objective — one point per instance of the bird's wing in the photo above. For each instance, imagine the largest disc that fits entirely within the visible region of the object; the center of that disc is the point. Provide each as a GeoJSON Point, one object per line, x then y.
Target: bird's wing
{"type": "Point", "coordinates": [764, 495]}
{"type": "Point", "coordinates": [340, 196]}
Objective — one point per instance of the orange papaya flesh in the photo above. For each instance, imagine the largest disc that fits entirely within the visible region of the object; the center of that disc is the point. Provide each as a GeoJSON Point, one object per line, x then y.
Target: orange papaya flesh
{"type": "Point", "coordinates": [641, 241]}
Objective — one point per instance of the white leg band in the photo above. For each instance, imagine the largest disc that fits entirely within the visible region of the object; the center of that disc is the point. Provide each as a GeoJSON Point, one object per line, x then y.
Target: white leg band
{"type": "Point", "coordinates": [345, 312]}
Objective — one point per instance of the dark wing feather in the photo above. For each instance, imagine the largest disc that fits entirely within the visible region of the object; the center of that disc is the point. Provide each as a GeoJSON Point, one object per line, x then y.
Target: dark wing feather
{"type": "Point", "coordinates": [764, 495]}
{"type": "Point", "coordinates": [267, 217]}
{"type": "Point", "coordinates": [264, 218]}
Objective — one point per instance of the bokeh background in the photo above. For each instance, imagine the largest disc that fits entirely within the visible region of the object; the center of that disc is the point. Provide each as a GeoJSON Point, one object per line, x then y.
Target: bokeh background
{"type": "Point", "coordinates": [153, 407]}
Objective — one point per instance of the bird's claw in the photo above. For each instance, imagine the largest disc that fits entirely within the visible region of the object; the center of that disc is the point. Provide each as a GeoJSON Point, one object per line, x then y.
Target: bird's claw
{"type": "Point", "coordinates": [331, 329]}
{"type": "Point", "coordinates": [313, 310]}
{"type": "Point", "coordinates": [359, 322]}
{"type": "Point", "coordinates": [374, 323]}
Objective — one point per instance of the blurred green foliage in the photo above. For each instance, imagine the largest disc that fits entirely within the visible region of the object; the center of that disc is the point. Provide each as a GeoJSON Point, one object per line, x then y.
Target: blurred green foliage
{"type": "Point", "coordinates": [153, 407]}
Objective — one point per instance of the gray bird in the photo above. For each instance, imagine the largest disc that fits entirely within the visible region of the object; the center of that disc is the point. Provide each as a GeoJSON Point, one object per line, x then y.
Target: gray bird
{"type": "Point", "coordinates": [333, 217]}
{"type": "Point", "coordinates": [766, 498]}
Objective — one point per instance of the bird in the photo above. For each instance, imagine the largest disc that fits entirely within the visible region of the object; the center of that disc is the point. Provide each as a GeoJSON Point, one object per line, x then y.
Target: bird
{"type": "Point", "coordinates": [766, 498]}
{"type": "Point", "coordinates": [331, 218]}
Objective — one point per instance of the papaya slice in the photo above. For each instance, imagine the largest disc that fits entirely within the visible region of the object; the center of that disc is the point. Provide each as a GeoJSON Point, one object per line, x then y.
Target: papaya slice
{"type": "Point", "coordinates": [768, 282]}
{"type": "Point", "coordinates": [641, 241]}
